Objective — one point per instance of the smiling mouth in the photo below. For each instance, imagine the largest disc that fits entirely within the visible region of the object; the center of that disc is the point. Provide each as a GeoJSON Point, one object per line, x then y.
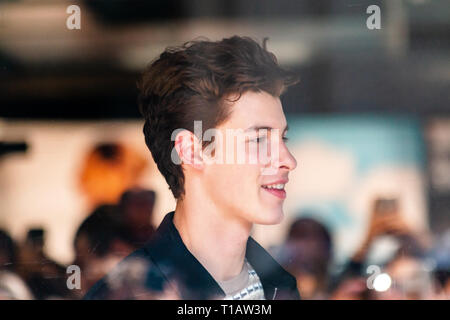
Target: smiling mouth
{"type": "Point", "coordinates": [276, 190]}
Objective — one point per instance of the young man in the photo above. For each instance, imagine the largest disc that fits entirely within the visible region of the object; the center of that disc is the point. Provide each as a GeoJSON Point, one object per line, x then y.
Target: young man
{"type": "Point", "coordinates": [216, 129]}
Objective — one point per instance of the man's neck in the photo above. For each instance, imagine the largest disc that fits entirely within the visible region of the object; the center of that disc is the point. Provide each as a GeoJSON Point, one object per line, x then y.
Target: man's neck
{"type": "Point", "coordinates": [215, 238]}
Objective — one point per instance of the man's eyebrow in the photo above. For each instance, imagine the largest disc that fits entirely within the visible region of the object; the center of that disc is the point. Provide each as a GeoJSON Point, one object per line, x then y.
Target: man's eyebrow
{"type": "Point", "coordinates": [257, 128]}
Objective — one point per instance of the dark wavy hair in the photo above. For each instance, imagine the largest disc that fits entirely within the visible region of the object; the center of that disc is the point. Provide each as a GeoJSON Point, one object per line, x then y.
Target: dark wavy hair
{"type": "Point", "coordinates": [194, 82]}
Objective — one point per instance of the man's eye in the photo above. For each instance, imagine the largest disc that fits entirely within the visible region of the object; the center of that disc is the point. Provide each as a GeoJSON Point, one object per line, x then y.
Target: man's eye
{"type": "Point", "coordinates": [285, 139]}
{"type": "Point", "coordinates": [258, 139]}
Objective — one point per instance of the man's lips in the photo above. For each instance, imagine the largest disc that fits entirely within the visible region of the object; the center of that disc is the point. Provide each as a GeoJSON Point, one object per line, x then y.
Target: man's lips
{"type": "Point", "coordinates": [279, 181]}
{"type": "Point", "coordinates": [276, 188]}
{"type": "Point", "coordinates": [280, 193]}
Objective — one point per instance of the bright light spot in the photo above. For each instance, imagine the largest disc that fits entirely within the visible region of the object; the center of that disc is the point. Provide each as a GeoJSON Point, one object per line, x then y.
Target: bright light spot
{"type": "Point", "coordinates": [382, 282]}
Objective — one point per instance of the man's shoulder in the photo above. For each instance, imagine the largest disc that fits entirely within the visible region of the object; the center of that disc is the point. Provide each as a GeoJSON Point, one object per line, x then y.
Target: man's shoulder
{"type": "Point", "coordinates": [132, 265]}
{"type": "Point", "coordinates": [142, 272]}
{"type": "Point", "coordinates": [129, 274]}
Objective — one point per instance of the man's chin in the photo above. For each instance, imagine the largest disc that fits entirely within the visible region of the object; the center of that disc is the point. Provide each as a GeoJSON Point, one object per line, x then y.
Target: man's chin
{"type": "Point", "coordinates": [271, 218]}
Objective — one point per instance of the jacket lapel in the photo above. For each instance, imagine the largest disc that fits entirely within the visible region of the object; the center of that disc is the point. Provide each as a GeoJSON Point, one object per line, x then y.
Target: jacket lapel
{"type": "Point", "coordinates": [277, 282]}
{"type": "Point", "coordinates": [168, 252]}
{"type": "Point", "coordinates": [179, 266]}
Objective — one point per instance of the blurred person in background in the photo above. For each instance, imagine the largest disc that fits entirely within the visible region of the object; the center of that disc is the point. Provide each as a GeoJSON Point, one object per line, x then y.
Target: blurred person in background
{"type": "Point", "coordinates": [45, 277]}
{"type": "Point", "coordinates": [136, 210]}
{"type": "Point", "coordinates": [439, 258]}
{"type": "Point", "coordinates": [385, 219]}
{"type": "Point", "coordinates": [12, 286]}
{"type": "Point", "coordinates": [410, 276]}
{"type": "Point", "coordinates": [307, 254]}
{"type": "Point", "coordinates": [8, 252]}
{"type": "Point", "coordinates": [99, 243]}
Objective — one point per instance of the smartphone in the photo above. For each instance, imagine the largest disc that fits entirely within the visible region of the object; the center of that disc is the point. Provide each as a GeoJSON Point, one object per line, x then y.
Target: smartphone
{"type": "Point", "coordinates": [386, 206]}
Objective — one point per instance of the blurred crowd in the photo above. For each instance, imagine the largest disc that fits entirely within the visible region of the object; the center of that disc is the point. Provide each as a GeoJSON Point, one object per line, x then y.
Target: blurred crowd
{"type": "Point", "coordinates": [121, 223]}
{"type": "Point", "coordinates": [106, 236]}
{"type": "Point", "coordinates": [417, 270]}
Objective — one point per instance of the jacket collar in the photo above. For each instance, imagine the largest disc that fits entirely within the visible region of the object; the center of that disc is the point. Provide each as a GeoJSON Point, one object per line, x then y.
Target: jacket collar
{"type": "Point", "coordinates": [168, 252]}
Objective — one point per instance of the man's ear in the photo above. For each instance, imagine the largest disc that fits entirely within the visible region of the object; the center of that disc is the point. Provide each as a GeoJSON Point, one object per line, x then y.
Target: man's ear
{"type": "Point", "coordinates": [189, 149]}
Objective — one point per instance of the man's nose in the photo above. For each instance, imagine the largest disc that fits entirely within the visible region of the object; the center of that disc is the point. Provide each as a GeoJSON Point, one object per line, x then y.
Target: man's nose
{"type": "Point", "coordinates": [287, 160]}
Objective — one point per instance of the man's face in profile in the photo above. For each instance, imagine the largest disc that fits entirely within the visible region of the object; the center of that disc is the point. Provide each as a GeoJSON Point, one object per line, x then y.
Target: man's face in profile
{"type": "Point", "coordinates": [252, 189]}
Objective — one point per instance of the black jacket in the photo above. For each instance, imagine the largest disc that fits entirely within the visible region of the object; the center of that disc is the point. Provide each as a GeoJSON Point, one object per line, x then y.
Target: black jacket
{"type": "Point", "coordinates": [167, 261]}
